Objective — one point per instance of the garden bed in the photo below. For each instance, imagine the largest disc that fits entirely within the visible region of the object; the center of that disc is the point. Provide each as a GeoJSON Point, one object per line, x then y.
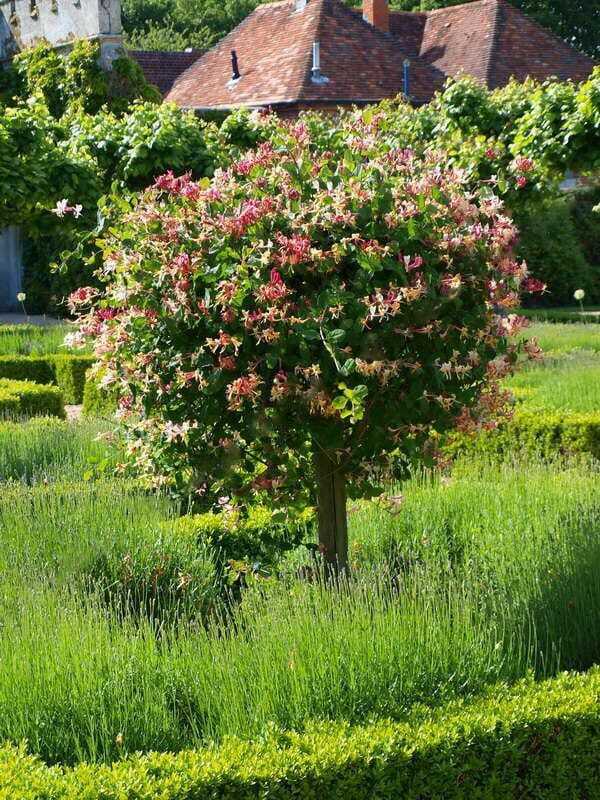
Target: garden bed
{"type": "Point", "coordinates": [534, 741]}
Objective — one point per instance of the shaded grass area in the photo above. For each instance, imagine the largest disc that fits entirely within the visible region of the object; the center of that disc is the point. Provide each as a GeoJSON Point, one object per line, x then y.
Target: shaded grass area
{"type": "Point", "coordinates": [478, 581]}
{"type": "Point", "coordinates": [590, 314]}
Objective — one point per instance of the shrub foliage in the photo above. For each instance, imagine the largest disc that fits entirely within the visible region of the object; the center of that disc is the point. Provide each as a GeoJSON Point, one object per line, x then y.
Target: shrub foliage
{"type": "Point", "coordinates": [28, 399]}
{"type": "Point", "coordinates": [67, 371]}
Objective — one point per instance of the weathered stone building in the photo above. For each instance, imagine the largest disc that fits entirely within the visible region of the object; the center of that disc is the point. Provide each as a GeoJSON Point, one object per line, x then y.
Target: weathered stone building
{"type": "Point", "coordinates": [24, 23]}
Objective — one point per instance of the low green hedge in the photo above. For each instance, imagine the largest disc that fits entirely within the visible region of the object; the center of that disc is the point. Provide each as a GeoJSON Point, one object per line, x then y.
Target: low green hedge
{"type": "Point", "coordinates": [66, 370]}
{"type": "Point", "coordinates": [29, 399]}
{"type": "Point", "coordinates": [560, 315]}
{"type": "Point", "coordinates": [533, 741]}
{"type": "Point", "coordinates": [258, 538]}
{"type": "Point", "coordinates": [69, 375]}
{"type": "Point", "coordinates": [535, 432]}
{"type": "Point", "coordinates": [98, 402]}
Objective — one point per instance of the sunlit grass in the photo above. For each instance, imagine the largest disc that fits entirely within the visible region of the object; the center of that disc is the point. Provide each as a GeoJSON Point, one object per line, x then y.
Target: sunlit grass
{"type": "Point", "coordinates": [35, 340]}
{"type": "Point", "coordinates": [49, 449]}
{"type": "Point", "coordinates": [555, 338]}
{"type": "Point", "coordinates": [568, 383]}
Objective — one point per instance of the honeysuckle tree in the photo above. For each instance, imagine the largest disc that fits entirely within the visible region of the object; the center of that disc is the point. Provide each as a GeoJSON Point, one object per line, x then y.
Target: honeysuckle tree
{"type": "Point", "coordinates": [304, 324]}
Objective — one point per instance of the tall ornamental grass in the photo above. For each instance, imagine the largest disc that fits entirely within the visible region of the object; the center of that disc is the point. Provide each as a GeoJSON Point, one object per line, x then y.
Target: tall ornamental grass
{"type": "Point", "coordinates": [476, 580]}
{"type": "Point", "coordinates": [47, 449]}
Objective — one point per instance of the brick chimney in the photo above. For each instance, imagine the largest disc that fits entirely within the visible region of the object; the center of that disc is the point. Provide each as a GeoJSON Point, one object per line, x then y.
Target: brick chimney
{"type": "Point", "coordinates": [377, 14]}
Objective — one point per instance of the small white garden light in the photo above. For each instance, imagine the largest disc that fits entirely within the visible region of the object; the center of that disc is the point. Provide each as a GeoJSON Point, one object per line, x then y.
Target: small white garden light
{"type": "Point", "coordinates": [21, 297]}
{"type": "Point", "coordinates": [579, 294]}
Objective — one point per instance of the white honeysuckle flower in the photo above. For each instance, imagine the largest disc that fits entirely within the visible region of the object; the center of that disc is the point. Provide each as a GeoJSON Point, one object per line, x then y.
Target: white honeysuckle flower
{"type": "Point", "coordinates": [74, 340]}
{"type": "Point", "coordinates": [61, 208]}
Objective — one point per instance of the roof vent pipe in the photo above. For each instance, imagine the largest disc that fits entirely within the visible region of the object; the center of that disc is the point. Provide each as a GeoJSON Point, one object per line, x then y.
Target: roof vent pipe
{"type": "Point", "coordinates": [316, 76]}
{"type": "Point", "coordinates": [406, 77]}
{"type": "Point", "coordinates": [316, 67]}
{"type": "Point", "coordinates": [235, 70]}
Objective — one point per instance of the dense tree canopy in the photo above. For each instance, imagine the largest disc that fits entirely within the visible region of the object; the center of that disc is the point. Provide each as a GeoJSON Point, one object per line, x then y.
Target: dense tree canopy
{"type": "Point", "coordinates": [177, 24]}
{"type": "Point", "coordinates": [330, 298]}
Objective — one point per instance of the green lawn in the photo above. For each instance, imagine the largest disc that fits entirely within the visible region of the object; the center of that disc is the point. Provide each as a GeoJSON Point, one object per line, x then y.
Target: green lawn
{"type": "Point", "coordinates": [35, 340]}
{"type": "Point", "coordinates": [568, 378]}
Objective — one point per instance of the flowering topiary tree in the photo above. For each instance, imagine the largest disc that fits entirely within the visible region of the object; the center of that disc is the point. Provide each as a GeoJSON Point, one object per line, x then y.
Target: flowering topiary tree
{"type": "Point", "coordinates": [300, 325]}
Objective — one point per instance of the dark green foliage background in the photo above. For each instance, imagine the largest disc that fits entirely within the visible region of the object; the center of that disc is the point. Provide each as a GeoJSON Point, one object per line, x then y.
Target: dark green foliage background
{"type": "Point", "coordinates": [560, 240]}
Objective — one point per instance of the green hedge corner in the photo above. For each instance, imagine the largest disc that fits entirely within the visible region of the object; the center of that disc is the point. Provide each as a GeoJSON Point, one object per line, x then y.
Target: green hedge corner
{"type": "Point", "coordinates": [29, 399]}
{"type": "Point", "coordinates": [66, 370]}
{"type": "Point", "coordinates": [535, 432]}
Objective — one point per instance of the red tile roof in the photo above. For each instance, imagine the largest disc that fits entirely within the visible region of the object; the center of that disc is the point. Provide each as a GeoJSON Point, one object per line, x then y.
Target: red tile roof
{"type": "Point", "coordinates": [488, 39]}
{"type": "Point", "coordinates": [522, 48]}
{"type": "Point", "coordinates": [493, 41]}
{"type": "Point", "coordinates": [162, 68]}
{"type": "Point", "coordinates": [274, 49]}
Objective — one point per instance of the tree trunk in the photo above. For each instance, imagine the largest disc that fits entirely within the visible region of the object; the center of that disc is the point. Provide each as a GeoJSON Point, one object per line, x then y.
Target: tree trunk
{"type": "Point", "coordinates": [333, 523]}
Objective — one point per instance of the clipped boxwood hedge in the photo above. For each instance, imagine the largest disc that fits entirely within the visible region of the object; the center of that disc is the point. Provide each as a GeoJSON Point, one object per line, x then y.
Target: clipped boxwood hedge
{"type": "Point", "coordinates": [66, 370]}
{"type": "Point", "coordinates": [98, 402]}
{"type": "Point", "coordinates": [258, 539]}
{"type": "Point", "coordinates": [535, 432]}
{"type": "Point", "coordinates": [532, 741]}
{"type": "Point", "coordinates": [29, 399]}
{"type": "Point", "coordinates": [69, 375]}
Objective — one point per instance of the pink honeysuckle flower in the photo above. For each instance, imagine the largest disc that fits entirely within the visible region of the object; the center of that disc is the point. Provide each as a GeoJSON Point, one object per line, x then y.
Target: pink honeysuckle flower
{"type": "Point", "coordinates": [412, 262]}
{"type": "Point", "coordinates": [523, 164]}
{"type": "Point", "coordinates": [533, 285]}
{"type": "Point", "coordinates": [81, 297]}
{"type": "Point", "coordinates": [62, 209]}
